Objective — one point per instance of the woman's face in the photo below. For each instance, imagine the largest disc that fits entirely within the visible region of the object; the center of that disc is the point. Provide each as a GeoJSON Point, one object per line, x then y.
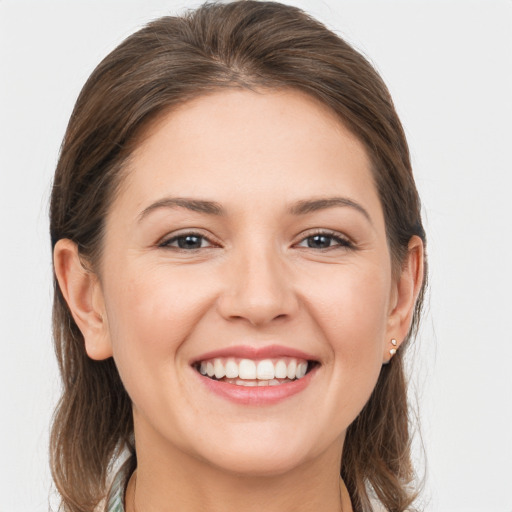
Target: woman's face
{"type": "Point", "coordinates": [247, 237]}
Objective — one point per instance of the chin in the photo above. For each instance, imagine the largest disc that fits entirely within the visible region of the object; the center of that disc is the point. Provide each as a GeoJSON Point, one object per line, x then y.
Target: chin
{"type": "Point", "coordinates": [260, 455]}
{"type": "Point", "coordinates": [257, 464]}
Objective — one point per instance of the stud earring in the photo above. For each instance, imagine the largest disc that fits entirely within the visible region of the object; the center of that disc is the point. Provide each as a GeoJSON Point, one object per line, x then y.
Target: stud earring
{"type": "Point", "coordinates": [393, 350]}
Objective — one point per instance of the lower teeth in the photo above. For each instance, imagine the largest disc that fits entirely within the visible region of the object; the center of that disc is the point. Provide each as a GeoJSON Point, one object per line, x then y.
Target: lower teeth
{"type": "Point", "coordinates": [256, 383]}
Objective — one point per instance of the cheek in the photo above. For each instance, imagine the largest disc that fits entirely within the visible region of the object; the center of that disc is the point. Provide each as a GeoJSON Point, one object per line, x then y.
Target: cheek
{"type": "Point", "coordinates": [351, 314]}
{"type": "Point", "coordinates": [151, 314]}
{"type": "Point", "coordinates": [351, 304]}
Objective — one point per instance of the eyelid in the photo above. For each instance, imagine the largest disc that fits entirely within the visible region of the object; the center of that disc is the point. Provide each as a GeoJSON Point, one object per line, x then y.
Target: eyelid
{"type": "Point", "coordinates": [165, 241]}
{"type": "Point", "coordinates": [347, 242]}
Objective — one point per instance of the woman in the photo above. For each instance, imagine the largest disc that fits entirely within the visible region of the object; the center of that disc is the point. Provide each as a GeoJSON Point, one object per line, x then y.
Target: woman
{"type": "Point", "coordinates": [239, 261]}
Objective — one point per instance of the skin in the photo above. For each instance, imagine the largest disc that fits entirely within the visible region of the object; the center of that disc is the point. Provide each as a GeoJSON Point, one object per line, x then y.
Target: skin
{"type": "Point", "coordinates": [254, 281]}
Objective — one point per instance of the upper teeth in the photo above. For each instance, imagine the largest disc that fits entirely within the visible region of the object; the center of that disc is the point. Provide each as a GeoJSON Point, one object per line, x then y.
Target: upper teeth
{"type": "Point", "coordinates": [265, 369]}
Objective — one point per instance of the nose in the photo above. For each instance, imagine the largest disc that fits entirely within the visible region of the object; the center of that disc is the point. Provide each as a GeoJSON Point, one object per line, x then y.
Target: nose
{"type": "Point", "coordinates": [258, 289]}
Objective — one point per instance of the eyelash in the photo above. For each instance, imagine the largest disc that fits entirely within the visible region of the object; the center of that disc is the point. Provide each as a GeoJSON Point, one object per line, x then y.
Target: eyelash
{"type": "Point", "coordinates": [167, 243]}
{"type": "Point", "coordinates": [340, 241]}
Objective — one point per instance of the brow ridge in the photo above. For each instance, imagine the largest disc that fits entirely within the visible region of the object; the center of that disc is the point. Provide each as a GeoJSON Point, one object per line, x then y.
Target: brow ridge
{"type": "Point", "coordinates": [313, 205]}
{"type": "Point", "coordinates": [196, 205]}
{"type": "Point", "coordinates": [302, 207]}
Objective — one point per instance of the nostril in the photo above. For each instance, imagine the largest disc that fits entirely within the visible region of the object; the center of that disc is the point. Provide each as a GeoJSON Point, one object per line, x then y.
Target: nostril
{"type": "Point", "coordinates": [257, 297]}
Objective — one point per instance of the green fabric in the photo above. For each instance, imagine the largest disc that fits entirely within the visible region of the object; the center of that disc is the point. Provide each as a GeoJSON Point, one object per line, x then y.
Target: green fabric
{"type": "Point", "coordinates": [115, 501]}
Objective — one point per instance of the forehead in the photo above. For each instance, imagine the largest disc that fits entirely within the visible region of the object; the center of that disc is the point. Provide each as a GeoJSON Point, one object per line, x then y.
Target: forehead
{"type": "Point", "coordinates": [258, 146]}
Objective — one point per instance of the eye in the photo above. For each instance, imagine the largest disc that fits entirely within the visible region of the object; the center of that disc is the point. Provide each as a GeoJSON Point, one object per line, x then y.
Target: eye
{"type": "Point", "coordinates": [187, 241]}
{"type": "Point", "coordinates": [324, 240]}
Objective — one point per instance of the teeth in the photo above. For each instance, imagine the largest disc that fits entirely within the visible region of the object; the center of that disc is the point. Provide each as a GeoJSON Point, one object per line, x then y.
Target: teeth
{"type": "Point", "coordinates": [256, 383]}
{"type": "Point", "coordinates": [301, 370]}
{"type": "Point", "coordinates": [231, 369]}
{"type": "Point", "coordinates": [250, 383]}
{"type": "Point", "coordinates": [265, 370]}
{"type": "Point", "coordinates": [219, 369]}
{"type": "Point", "coordinates": [247, 372]}
{"type": "Point", "coordinates": [247, 369]}
{"type": "Point", "coordinates": [292, 369]}
{"type": "Point", "coordinates": [281, 370]}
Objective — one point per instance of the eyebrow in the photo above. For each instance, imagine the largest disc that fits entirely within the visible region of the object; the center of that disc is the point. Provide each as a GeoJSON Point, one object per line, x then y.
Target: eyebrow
{"type": "Point", "coordinates": [196, 205]}
{"type": "Point", "coordinates": [213, 208]}
{"type": "Point", "coordinates": [308, 206]}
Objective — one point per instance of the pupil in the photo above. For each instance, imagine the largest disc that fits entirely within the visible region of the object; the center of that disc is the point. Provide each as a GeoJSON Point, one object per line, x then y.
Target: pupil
{"type": "Point", "coordinates": [319, 242]}
{"type": "Point", "coordinates": [189, 242]}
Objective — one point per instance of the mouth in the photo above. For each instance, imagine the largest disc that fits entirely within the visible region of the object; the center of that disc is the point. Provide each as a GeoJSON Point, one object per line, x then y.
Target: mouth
{"type": "Point", "coordinates": [255, 372]}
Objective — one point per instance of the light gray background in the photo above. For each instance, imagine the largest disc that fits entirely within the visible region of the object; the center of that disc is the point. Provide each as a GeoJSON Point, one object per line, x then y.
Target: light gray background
{"type": "Point", "coordinates": [448, 65]}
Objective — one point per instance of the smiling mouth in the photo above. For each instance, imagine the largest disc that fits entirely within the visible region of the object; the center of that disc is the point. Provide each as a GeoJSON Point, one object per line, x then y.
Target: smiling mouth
{"type": "Point", "coordinates": [255, 372]}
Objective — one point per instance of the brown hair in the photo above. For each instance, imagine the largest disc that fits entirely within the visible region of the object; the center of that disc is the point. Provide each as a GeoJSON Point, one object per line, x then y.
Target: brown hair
{"type": "Point", "coordinates": [247, 44]}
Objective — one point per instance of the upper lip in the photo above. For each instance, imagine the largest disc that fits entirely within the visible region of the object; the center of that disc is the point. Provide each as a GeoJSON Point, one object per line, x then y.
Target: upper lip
{"type": "Point", "coordinates": [250, 352]}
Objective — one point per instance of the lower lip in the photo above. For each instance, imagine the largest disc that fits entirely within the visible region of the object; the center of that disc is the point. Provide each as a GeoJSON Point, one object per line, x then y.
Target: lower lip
{"type": "Point", "coordinates": [257, 395]}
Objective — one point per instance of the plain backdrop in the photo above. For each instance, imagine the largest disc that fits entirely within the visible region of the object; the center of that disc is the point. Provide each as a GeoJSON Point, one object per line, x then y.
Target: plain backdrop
{"type": "Point", "coordinates": [449, 68]}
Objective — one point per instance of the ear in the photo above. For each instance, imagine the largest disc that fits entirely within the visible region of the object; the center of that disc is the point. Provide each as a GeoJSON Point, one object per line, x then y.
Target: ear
{"type": "Point", "coordinates": [405, 293]}
{"type": "Point", "coordinates": [82, 291]}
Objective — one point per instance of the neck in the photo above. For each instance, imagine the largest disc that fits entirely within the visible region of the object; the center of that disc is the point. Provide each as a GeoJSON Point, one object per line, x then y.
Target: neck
{"type": "Point", "coordinates": [166, 482]}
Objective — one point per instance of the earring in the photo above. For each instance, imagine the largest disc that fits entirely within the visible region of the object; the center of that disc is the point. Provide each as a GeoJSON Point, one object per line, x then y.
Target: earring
{"type": "Point", "coordinates": [393, 350]}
